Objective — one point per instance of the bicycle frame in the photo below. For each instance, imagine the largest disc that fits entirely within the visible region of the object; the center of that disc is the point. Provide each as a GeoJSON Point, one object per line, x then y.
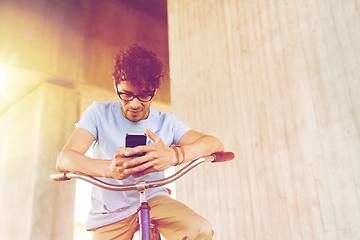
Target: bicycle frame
{"type": "Point", "coordinates": [141, 186]}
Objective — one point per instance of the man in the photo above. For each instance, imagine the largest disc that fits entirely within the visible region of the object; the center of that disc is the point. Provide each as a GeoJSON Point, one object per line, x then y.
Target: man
{"type": "Point", "coordinates": [103, 126]}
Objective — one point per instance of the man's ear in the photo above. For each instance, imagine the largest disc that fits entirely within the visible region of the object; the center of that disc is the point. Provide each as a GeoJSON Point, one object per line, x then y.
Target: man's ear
{"type": "Point", "coordinates": [116, 85]}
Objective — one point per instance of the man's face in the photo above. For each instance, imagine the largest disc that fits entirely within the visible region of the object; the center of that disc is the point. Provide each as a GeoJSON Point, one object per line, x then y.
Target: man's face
{"type": "Point", "coordinates": [134, 110]}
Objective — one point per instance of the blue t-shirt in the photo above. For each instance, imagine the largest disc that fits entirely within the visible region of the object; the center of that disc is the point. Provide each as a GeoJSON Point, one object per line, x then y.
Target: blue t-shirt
{"type": "Point", "coordinates": [107, 124]}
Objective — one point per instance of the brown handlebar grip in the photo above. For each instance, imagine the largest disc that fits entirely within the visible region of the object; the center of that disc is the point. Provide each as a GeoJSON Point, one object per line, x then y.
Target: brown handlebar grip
{"type": "Point", "coordinates": [59, 176]}
{"type": "Point", "coordinates": [223, 156]}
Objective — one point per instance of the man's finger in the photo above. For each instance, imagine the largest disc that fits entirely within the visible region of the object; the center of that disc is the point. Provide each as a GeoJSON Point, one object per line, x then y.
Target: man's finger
{"type": "Point", "coordinates": [136, 161]}
{"type": "Point", "coordinates": [138, 150]}
{"type": "Point", "coordinates": [153, 137]}
{"type": "Point", "coordinates": [138, 168]}
{"type": "Point", "coordinates": [120, 152]}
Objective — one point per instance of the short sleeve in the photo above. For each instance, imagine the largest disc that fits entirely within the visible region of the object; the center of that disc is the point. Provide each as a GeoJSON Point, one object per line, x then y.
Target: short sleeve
{"type": "Point", "coordinates": [179, 129]}
{"type": "Point", "coordinates": [88, 121]}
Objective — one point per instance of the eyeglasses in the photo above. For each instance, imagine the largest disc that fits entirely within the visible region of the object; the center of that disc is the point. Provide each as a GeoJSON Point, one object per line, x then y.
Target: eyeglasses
{"type": "Point", "coordinates": [143, 97]}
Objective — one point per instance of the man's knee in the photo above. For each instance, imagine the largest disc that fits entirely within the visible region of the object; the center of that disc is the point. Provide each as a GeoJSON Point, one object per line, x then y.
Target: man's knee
{"type": "Point", "coordinates": [206, 231]}
{"type": "Point", "coordinates": [202, 231]}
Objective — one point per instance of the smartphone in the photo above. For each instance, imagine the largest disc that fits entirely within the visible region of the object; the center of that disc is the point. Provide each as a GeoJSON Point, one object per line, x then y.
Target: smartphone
{"type": "Point", "coordinates": [134, 140]}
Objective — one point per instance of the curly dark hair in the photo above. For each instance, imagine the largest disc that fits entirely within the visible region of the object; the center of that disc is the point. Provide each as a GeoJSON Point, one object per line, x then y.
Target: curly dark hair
{"type": "Point", "coordinates": [139, 67]}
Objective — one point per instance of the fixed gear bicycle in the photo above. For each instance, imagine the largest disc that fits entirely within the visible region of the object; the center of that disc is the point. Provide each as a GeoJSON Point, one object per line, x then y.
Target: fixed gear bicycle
{"type": "Point", "coordinates": [145, 226]}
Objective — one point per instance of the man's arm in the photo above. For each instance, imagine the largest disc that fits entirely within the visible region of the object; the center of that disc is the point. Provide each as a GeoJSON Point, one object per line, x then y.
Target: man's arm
{"type": "Point", "coordinates": [159, 157]}
{"type": "Point", "coordinates": [72, 158]}
{"type": "Point", "coordinates": [197, 144]}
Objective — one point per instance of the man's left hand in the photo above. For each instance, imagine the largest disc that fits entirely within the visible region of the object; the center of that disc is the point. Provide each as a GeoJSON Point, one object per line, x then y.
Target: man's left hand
{"type": "Point", "coordinates": [158, 157]}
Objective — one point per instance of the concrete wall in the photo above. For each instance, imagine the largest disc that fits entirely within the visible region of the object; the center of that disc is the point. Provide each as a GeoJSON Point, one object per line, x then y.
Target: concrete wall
{"type": "Point", "coordinates": [56, 58]}
{"type": "Point", "coordinates": [278, 82]}
{"type": "Point", "coordinates": [32, 207]}
{"type": "Point", "coordinates": [76, 40]}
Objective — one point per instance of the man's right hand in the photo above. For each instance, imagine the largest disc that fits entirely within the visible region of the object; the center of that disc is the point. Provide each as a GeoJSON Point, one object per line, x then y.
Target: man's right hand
{"type": "Point", "coordinates": [116, 169]}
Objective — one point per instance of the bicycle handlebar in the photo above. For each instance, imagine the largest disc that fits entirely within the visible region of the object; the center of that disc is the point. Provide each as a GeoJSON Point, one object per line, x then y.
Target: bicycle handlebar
{"type": "Point", "coordinates": [223, 156]}
{"type": "Point", "coordinates": [59, 176]}
{"type": "Point", "coordinates": [215, 157]}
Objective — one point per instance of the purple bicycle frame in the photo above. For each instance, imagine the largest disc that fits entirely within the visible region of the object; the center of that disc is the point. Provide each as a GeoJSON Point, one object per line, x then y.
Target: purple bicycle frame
{"type": "Point", "coordinates": [144, 212]}
{"type": "Point", "coordinates": [144, 221]}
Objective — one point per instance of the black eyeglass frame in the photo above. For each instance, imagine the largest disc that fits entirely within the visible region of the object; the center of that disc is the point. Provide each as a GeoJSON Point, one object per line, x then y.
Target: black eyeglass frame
{"type": "Point", "coordinates": [151, 95]}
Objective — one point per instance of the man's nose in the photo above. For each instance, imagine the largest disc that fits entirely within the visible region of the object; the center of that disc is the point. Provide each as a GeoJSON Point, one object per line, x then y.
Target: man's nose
{"type": "Point", "coordinates": [135, 103]}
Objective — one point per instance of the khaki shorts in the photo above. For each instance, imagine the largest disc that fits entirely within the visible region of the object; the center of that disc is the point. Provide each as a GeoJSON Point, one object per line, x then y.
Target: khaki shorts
{"type": "Point", "coordinates": [173, 219]}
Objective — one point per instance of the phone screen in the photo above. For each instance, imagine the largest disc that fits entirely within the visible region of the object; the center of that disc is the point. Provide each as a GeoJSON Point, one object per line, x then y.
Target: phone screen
{"type": "Point", "coordinates": [134, 140]}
